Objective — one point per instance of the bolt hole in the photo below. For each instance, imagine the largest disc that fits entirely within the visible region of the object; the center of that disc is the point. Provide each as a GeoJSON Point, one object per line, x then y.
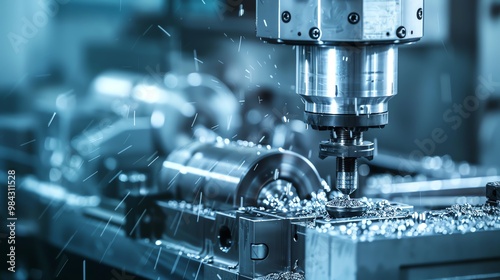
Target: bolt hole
{"type": "Point", "coordinates": [314, 33]}
{"type": "Point", "coordinates": [388, 34]}
{"type": "Point", "coordinates": [286, 16]}
{"type": "Point", "coordinates": [411, 32]}
{"type": "Point", "coordinates": [420, 13]}
{"type": "Point", "coordinates": [299, 33]}
{"type": "Point", "coordinates": [353, 18]}
{"type": "Point", "coordinates": [225, 240]}
{"type": "Point", "coordinates": [401, 32]}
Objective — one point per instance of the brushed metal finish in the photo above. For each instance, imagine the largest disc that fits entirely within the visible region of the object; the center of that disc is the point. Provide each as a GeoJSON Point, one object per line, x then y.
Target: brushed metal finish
{"type": "Point", "coordinates": [357, 80]}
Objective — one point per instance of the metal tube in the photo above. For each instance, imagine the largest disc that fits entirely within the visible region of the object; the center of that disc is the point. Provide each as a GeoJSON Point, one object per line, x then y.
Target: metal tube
{"type": "Point", "coordinates": [356, 80]}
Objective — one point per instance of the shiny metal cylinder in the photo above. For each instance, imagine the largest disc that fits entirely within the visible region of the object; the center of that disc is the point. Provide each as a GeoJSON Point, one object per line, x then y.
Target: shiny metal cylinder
{"type": "Point", "coordinates": [225, 175]}
{"type": "Point", "coordinates": [347, 80]}
{"type": "Point", "coordinates": [347, 175]}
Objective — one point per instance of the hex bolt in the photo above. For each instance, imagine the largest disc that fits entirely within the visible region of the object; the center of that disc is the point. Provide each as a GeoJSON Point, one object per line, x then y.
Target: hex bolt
{"type": "Point", "coordinates": [401, 32]}
{"type": "Point", "coordinates": [286, 16]}
{"type": "Point", "coordinates": [420, 13]}
{"type": "Point", "coordinates": [314, 33]}
{"type": "Point", "coordinates": [353, 18]}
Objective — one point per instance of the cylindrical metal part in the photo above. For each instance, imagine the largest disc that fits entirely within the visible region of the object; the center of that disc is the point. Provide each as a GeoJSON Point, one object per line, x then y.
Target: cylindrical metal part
{"type": "Point", "coordinates": [347, 175]}
{"type": "Point", "coordinates": [347, 80]}
{"type": "Point", "coordinates": [228, 175]}
{"type": "Point", "coordinates": [343, 207]}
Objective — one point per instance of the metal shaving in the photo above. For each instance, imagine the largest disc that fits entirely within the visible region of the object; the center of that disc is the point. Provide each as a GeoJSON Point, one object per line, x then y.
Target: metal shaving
{"type": "Point", "coordinates": [316, 206]}
{"type": "Point", "coordinates": [383, 209]}
{"type": "Point", "coordinates": [283, 276]}
{"type": "Point", "coordinates": [299, 207]}
{"type": "Point", "coordinates": [345, 201]}
{"type": "Point", "coordinates": [456, 219]}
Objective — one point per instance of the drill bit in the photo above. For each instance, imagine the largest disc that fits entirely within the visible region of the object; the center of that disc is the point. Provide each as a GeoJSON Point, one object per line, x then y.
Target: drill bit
{"type": "Point", "coordinates": [347, 175]}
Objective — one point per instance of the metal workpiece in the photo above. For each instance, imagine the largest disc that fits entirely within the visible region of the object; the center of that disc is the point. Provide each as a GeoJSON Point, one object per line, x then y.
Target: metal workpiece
{"type": "Point", "coordinates": [246, 243]}
{"type": "Point", "coordinates": [336, 21]}
{"type": "Point", "coordinates": [226, 174]}
{"type": "Point", "coordinates": [344, 207]}
{"type": "Point", "coordinates": [467, 238]}
{"type": "Point", "coordinates": [347, 80]}
{"type": "Point", "coordinates": [273, 235]}
{"type": "Point", "coordinates": [271, 240]}
{"type": "Point", "coordinates": [356, 209]}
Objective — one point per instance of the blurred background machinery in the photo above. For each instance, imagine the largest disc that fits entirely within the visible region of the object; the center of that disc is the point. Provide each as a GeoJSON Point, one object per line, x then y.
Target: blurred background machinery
{"type": "Point", "coordinates": [167, 130]}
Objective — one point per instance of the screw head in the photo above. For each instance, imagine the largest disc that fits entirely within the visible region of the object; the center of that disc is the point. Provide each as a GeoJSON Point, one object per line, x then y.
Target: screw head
{"type": "Point", "coordinates": [353, 18]}
{"type": "Point", "coordinates": [314, 33]}
{"type": "Point", "coordinates": [286, 16]}
{"type": "Point", "coordinates": [420, 13]}
{"type": "Point", "coordinates": [401, 32]}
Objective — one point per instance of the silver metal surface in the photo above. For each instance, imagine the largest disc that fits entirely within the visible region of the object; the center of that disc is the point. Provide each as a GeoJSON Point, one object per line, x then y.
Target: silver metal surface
{"type": "Point", "coordinates": [347, 80]}
{"type": "Point", "coordinates": [226, 174]}
{"type": "Point", "coordinates": [347, 182]}
{"type": "Point", "coordinates": [347, 146]}
{"type": "Point", "coordinates": [461, 241]}
{"type": "Point", "coordinates": [377, 20]}
{"type": "Point", "coordinates": [342, 207]}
